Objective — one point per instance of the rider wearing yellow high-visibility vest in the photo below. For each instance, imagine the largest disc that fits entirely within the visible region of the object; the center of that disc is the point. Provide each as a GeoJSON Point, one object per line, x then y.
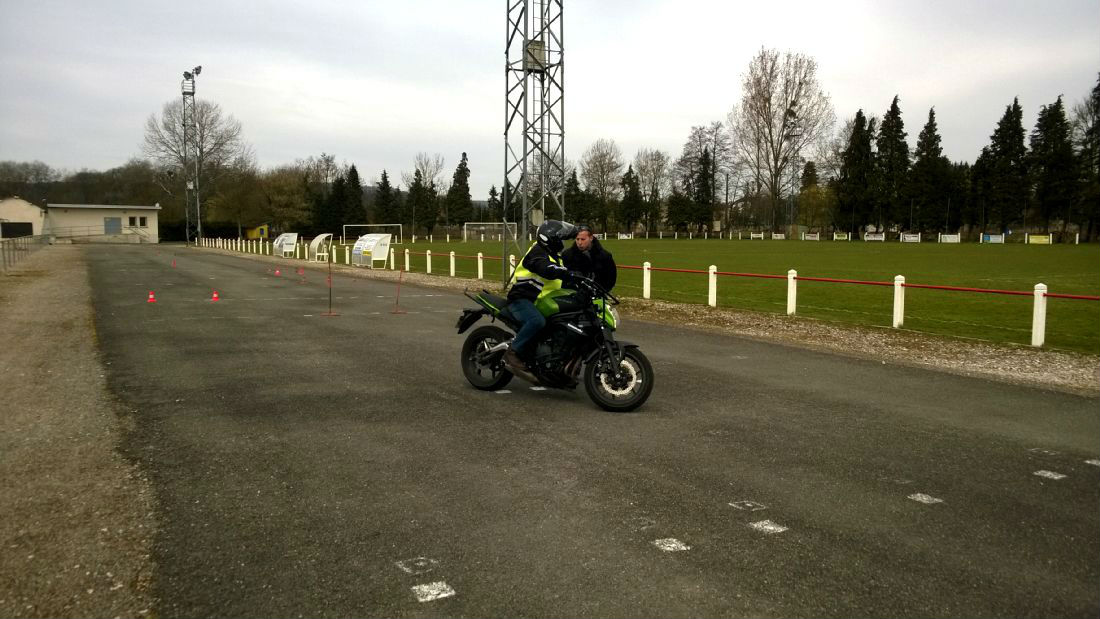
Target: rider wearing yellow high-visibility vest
{"type": "Point", "coordinates": [540, 272]}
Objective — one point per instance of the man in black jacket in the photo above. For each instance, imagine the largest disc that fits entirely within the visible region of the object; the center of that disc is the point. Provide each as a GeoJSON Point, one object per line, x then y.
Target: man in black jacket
{"type": "Point", "coordinates": [587, 256]}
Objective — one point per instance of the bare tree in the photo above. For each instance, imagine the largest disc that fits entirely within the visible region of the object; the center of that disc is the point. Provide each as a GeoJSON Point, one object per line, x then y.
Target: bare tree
{"type": "Point", "coordinates": [783, 112]}
{"type": "Point", "coordinates": [218, 136]}
{"type": "Point", "coordinates": [601, 172]}
{"type": "Point", "coordinates": [653, 169]}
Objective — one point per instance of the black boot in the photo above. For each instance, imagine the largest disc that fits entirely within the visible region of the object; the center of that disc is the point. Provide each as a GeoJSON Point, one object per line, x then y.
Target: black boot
{"type": "Point", "coordinates": [518, 367]}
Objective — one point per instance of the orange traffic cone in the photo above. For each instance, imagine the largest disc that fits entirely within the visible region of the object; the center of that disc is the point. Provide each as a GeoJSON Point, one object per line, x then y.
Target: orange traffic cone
{"type": "Point", "coordinates": [277, 273]}
{"type": "Point", "coordinates": [152, 297]}
{"type": "Point", "coordinates": [215, 297]}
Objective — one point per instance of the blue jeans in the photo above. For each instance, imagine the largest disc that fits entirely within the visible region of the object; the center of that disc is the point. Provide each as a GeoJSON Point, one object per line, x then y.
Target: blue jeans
{"type": "Point", "coordinates": [524, 311]}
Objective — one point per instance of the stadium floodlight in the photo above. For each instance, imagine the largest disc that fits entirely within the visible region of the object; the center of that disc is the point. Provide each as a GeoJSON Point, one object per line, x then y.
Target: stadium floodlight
{"type": "Point", "coordinates": [198, 69]}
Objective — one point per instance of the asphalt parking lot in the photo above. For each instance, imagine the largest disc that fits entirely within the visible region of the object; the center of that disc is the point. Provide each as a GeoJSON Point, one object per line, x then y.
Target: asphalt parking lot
{"type": "Point", "coordinates": [312, 465]}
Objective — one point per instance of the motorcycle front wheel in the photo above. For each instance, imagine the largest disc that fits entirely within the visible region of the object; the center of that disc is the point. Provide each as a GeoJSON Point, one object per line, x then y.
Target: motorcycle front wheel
{"type": "Point", "coordinates": [622, 393]}
{"type": "Point", "coordinates": [485, 376]}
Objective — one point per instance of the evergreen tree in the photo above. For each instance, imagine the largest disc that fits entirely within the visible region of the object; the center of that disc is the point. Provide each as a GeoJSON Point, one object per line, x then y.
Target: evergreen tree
{"type": "Point", "coordinates": [353, 211]}
{"type": "Point", "coordinates": [631, 207]}
{"type": "Point", "coordinates": [680, 210]}
{"type": "Point", "coordinates": [892, 166]}
{"type": "Point", "coordinates": [492, 205]}
{"type": "Point", "coordinates": [386, 209]}
{"type": "Point", "coordinates": [460, 207]}
{"type": "Point", "coordinates": [1053, 166]}
{"type": "Point", "coordinates": [328, 207]}
{"type": "Point", "coordinates": [928, 181]}
{"type": "Point", "coordinates": [809, 176]}
{"type": "Point", "coordinates": [423, 204]}
{"type": "Point", "coordinates": [981, 187]}
{"type": "Point", "coordinates": [1008, 173]}
{"type": "Point", "coordinates": [577, 201]}
{"type": "Point", "coordinates": [853, 186]}
{"type": "Point", "coordinates": [703, 192]}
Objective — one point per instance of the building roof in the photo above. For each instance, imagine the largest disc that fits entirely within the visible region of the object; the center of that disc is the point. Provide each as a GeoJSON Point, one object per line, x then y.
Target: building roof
{"type": "Point", "coordinates": [155, 207]}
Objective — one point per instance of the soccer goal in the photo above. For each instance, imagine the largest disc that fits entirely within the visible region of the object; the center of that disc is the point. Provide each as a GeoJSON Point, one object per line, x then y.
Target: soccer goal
{"type": "Point", "coordinates": [487, 230]}
{"type": "Point", "coordinates": [393, 229]}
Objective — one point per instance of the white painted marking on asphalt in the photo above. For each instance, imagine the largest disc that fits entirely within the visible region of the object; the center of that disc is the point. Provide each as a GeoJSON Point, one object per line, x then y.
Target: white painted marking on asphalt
{"type": "Point", "coordinates": [671, 544]}
{"type": "Point", "coordinates": [1045, 452]}
{"type": "Point", "coordinates": [308, 315]}
{"type": "Point", "coordinates": [751, 506]}
{"type": "Point", "coordinates": [538, 388]}
{"type": "Point", "coordinates": [432, 591]}
{"type": "Point", "coordinates": [1049, 474]}
{"type": "Point", "coordinates": [896, 480]}
{"type": "Point", "coordinates": [502, 391]}
{"type": "Point", "coordinates": [417, 565]}
{"type": "Point", "coordinates": [767, 526]}
{"type": "Point", "coordinates": [920, 497]}
{"type": "Point", "coordinates": [1093, 462]}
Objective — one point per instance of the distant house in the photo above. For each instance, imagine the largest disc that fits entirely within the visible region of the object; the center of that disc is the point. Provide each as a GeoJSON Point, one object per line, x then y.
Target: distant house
{"type": "Point", "coordinates": [20, 218]}
{"type": "Point", "coordinates": [104, 223]}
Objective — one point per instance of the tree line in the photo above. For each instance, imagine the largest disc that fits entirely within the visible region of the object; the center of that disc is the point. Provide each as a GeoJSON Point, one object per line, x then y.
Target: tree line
{"type": "Point", "coordinates": [775, 162]}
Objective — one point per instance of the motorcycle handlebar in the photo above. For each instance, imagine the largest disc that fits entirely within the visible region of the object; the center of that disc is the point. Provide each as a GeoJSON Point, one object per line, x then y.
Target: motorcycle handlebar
{"type": "Point", "coordinates": [595, 288]}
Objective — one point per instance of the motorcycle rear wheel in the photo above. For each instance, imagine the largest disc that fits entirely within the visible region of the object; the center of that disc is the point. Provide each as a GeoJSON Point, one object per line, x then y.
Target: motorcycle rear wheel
{"type": "Point", "coordinates": [487, 377]}
{"type": "Point", "coordinates": [630, 392]}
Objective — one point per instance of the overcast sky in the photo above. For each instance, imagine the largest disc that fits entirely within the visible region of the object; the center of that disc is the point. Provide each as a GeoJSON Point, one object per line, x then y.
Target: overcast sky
{"type": "Point", "coordinates": [376, 82]}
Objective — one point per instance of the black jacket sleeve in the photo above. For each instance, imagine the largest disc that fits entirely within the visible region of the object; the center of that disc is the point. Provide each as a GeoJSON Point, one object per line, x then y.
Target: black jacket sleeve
{"type": "Point", "coordinates": [538, 261]}
{"type": "Point", "coordinates": [606, 272]}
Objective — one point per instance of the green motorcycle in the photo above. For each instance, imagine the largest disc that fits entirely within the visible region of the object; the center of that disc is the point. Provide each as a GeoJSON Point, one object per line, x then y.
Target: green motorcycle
{"type": "Point", "coordinates": [579, 338]}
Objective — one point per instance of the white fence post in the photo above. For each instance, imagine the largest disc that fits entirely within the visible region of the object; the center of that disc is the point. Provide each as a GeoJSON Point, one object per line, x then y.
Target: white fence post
{"type": "Point", "coordinates": [406, 259]}
{"type": "Point", "coordinates": [712, 293]}
{"type": "Point", "coordinates": [428, 261]}
{"type": "Point", "coordinates": [452, 261]}
{"type": "Point", "coordinates": [1039, 316]}
{"type": "Point", "coordinates": [792, 291]}
{"type": "Point", "coordinates": [393, 253]}
{"type": "Point", "coordinates": [347, 255]}
{"type": "Point", "coordinates": [899, 301]}
{"type": "Point", "coordinates": [646, 274]}
{"type": "Point", "coordinates": [512, 262]}
{"type": "Point", "coordinates": [480, 265]}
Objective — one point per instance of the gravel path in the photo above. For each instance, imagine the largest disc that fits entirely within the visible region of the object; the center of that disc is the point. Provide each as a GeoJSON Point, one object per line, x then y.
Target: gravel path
{"type": "Point", "coordinates": [77, 519]}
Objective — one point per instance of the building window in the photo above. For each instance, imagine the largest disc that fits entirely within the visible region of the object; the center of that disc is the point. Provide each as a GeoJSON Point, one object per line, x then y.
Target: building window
{"type": "Point", "coordinates": [141, 221]}
{"type": "Point", "coordinates": [133, 221]}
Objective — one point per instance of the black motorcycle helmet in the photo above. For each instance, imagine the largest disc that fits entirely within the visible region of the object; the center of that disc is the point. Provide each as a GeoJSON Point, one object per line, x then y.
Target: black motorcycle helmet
{"type": "Point", "coordinates": [552, 235]}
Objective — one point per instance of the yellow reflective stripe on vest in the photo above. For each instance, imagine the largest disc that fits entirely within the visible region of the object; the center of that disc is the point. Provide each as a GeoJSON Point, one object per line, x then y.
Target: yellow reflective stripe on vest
{"type": "Point", "coordinates": [525, 276]}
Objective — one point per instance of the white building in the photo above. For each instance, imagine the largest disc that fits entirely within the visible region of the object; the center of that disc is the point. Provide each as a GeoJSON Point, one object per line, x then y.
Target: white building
{"type": "Point", "coordinates": [104, 222]}
{"type": "Point", "coordinates": [16, 213]}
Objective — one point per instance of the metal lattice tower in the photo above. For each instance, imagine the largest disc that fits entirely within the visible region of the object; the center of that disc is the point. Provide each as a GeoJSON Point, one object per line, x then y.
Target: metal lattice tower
{"type": "Point", "coordinates": [191, 152]}
{"type": "Point", "coordinates": [534, 113]}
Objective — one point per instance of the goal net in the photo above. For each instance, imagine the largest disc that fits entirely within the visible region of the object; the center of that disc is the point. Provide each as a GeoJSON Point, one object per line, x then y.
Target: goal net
{"type": "Point", "coordinates": [487, 230]}
{"type": "Point", "coordinates": [354, 231]}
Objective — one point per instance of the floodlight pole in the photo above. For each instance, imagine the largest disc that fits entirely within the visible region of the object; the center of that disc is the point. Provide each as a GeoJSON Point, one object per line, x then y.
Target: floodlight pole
{"type": "Point", "coordinates": [534, 111]}
{"type": "Point", "coordinates": [191, 143]}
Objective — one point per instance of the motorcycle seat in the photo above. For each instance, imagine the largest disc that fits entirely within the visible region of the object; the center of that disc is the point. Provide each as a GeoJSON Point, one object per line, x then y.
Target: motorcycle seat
{"type": "Point", "coordinates": [497, 301]}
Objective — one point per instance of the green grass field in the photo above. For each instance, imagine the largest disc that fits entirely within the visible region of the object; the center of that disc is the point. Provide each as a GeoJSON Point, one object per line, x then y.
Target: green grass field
{"type": "Point", "coordinates": [1069, 269]}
